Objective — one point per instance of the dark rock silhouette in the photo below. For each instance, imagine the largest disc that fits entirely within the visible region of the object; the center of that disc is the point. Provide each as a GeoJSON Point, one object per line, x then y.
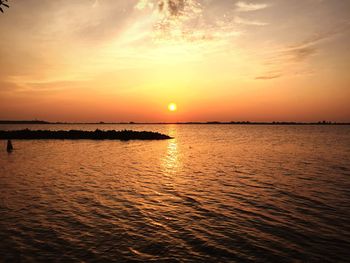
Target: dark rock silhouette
{"type": "Point", "coordinates": [9, 146]}
{"type": "Point", "coordinates": [124, 135]}
{"type": "Point", "coordinates": [23, 122]}
{"type": "Point", "coordinates": [2, 3]}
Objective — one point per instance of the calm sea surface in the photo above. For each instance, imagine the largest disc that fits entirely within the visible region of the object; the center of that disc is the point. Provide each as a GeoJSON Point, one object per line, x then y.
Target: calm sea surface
{"type": "Point", "coordinates": [215, 193]}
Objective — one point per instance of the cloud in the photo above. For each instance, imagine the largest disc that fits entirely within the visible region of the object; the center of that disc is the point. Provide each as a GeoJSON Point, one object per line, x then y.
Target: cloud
{"type": "Point", "coordinates": [293, 59]}
{"type": "Point", "coordinates": [185, 21]}
{"type": "Point", "coordinates": [174, 7]}
{"type": "Point", "coordinates": [243, 21]}
{"type": "Point", "coordinates": [305, 49]}
{"type": "Point", "coordinates": [303, 53]}
{"type": "Point", "coordinates": [167, 7]}
{"type": "Point", "coordinates": [268, 76]}
{"type": "Point", "coordinates": [248, 7]}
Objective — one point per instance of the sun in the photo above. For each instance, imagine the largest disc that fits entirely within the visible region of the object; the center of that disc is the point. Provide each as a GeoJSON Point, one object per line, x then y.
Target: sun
{"type": "Point", "coordinates": [172, 107]}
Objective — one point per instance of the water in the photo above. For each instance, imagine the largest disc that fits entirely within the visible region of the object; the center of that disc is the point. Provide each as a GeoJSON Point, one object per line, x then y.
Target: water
{"type": "Point", "coordinates": [221, 193]}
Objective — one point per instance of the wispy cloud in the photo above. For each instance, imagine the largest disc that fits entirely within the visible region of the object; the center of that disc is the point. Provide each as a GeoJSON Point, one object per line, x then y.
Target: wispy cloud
{"type": "Point", "coordinates": [282, 61]}
{"type": "Point", "coordinates": [243, 21]}
{"type": "Point", "coordinates": [248, 7]}
{"type": "Point", "coordinates": [305, 49]}
{"type": "Point", "coordinates": [268, 76]}
{"type": "Point", "coordinates": [303, 53]}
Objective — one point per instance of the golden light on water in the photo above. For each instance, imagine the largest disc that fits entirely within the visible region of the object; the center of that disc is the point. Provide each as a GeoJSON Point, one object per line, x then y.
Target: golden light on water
{"type": "Point", "coordinates": [172, 107]}
{"type": "Point", "coordinates": [171, 162]}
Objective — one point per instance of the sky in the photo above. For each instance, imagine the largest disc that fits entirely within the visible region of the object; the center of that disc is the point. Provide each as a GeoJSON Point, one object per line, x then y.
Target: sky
{"type": "Point", "coordinates": [218, 60]}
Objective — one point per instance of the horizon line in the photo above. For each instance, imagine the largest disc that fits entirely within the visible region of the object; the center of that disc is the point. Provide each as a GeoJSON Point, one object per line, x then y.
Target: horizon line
{"type": "Point", "coordinates": [323, 122]}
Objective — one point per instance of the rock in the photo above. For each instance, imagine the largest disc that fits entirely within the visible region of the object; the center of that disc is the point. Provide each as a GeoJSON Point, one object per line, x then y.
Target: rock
{"type": "Point", "coordinates": [124, 135]}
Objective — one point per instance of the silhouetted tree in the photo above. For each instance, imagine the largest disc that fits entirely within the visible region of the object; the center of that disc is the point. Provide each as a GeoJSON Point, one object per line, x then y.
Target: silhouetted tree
{"type": "Point", "coordinates": [2, 3]}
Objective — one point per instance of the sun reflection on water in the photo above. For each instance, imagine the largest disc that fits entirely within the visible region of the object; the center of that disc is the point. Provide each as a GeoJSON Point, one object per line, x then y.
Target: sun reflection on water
{"type": "Point", "coordinates": [171, 161]}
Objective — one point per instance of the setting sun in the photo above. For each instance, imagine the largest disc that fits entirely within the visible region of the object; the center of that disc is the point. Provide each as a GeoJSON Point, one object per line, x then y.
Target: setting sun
{"type": "Point", "coordinates": [172, 107]}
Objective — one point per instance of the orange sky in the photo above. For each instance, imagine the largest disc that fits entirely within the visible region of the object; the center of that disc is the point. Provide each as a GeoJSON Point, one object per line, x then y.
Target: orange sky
{"type": "Point", "coordinates": [219, 60]}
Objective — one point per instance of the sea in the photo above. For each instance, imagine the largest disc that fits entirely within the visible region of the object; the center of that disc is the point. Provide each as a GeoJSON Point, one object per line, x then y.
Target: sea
{"type": "Point", "coordinates": [213, 193]}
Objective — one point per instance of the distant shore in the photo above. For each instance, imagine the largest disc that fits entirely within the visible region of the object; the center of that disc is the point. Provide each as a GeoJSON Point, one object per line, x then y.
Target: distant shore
{"type": "Point", "coordinates": [39, 122]}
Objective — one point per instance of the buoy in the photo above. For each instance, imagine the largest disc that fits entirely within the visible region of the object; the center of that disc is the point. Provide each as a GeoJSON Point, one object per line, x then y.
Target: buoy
{"type": "Point", "coordinates": [9, 146]}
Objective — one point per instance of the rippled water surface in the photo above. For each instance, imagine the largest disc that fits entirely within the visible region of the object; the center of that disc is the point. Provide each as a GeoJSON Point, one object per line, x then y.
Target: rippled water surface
{"type": "Point", "coordinates": [222, 193]}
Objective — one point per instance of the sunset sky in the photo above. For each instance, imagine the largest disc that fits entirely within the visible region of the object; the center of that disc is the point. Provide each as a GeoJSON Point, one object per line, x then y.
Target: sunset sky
{"type": "Point", "coordinates": [126, 60]}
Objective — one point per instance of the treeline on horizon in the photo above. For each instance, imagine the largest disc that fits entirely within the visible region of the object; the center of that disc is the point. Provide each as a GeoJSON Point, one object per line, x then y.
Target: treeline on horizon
{"type": "Point", "coordinates": [208, 122]}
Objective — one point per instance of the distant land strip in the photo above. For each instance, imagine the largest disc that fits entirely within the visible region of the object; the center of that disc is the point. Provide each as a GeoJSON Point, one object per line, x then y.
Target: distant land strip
{"type": "Point", "coordinates": [124, 135]}
{"type": "Point", "coordinates": [164, 123]}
